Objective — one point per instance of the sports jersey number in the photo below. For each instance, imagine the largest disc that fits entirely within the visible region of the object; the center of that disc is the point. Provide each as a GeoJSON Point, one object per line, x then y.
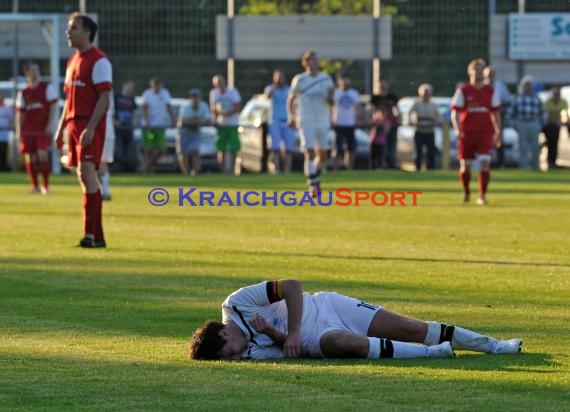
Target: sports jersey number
{"type": "Point", "coordinates": [367, 305]}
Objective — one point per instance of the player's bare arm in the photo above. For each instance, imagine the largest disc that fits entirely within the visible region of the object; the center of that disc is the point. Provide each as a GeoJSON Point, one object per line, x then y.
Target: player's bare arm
{"type": "Point", "coordinates": [98, 113]}
{"type": "Point", "coordinates": [261, 325]}
{"type": "Point", "coordinates": [497, 125]}
{"type": "Point", "coordinates": [291, 110]}
{"type": "Point", "coordinates": [455, 120]}
{"type": "Point", "coordinates": [293, 293]}
{"type": "Point", "coordinates": [61, 127]}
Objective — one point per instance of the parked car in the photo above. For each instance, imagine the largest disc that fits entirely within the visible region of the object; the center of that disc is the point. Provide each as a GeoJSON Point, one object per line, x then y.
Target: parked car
{"type": "Point", "coordinates": [256, 140]}
{"type": "Point", "coordinates": [168, 162]}
{"type": "Point", "coordinates": [406, 146]}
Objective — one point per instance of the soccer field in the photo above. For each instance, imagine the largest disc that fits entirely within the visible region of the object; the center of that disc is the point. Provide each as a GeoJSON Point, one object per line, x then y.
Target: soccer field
{"type": "Point", "coordinates": [108, 329]}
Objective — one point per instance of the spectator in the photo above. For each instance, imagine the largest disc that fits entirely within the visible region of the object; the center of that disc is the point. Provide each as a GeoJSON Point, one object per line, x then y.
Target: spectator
{"type": "Point", "coordinates": [381, 126]}
{"type": "Point", "coordinates": [505, 97]}
{"type": "Point", "coordinates": [35, 116]}
{"type": "Point", "coordinates": [225, 105]}
{"type": "Point", "coordinates": [279, 130]}
{"type": "Point", "coordinates": [125, 122]}
{"type": "Point", "coordinates": [88, 86]}
{"type": "Point", "coordinates": [554, 107]}
{"type": "Point", "coordinates": [308, 108]}
{"type": "Point", "coordinates": [192, 116]}
{"type": "Point", "coordinates": [157, 116]}
{"type": "Point", "coordinates": [108, 155]}
{"type": "Point", "coordinates": [477, 121]}
{"type": "Point", "coordinates": [425, 116]}
{"type": "Point", "coordinates": [390, 101]}
{"type": "Point", "coordinates": [346, 111]}
{"type": "Point", "coordinates": [6, 120]}
{"type": "Point", "coordinates": [276, 319]}
{"type": "Point", "coordinates": [527, 115]}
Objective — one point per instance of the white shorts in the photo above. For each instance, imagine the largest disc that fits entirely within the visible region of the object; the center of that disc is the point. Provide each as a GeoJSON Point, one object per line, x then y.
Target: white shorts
{"type": "Point", "coordinates": [108, 155]}
{"type": "Point", "coordinates": [108, 150]}
{"type": "Point", "coordinates": [339, 312]}
{"type": "Point", "coordinates": [312, 135]}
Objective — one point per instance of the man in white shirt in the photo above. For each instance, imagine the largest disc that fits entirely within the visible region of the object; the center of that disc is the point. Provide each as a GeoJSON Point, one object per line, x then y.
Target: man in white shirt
{"type": "Point", "coordinates": [191, 118]}
{"type": "Point", "coordinates": [277, 92]}
{"type": "Point", "coordinates": [276, 319]}
{"type": "Point", "coordinates": [309, 109]}
{"type": "Point", "coordinates": [225, 105]}
{"type": "Point", "coordinates": [346, 111]}
{"type": "Point", "coordinates": [157, 116]}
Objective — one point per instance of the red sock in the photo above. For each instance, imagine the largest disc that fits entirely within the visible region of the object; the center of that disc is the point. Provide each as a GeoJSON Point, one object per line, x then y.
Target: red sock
{"type": "Point", "coordinates": [99, 217]}
{"type": "Point", "coordinates": [44, 167]}
{"type": "Point", "coordinates": [32, 173]}
{"type": "Point", "coordinates": [465, 177]}
{"type": "Point", "coordinates": [89, 213]}
{"type": "Point", "coordinates": [484, 178]}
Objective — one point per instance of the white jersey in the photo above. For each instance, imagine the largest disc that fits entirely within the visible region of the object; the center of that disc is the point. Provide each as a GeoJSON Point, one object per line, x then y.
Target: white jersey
{"type": "Point", "coordinates": [247, 302]}
{"type": "Point", "coordinates": [157, 106]}
{"type": "Point", "coordinates": [311, 94]}
{"type": "Point", "coordinates": [345, 102]}
{"type": "Point", "coordinates": [224, 102]}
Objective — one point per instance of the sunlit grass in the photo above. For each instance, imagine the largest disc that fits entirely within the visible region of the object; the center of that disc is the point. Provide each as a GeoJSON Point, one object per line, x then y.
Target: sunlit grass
{"type": "Point", "coordinates": [108, 329]}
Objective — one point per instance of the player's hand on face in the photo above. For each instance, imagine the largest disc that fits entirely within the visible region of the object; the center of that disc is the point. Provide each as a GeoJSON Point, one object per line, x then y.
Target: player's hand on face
{"type": "Point", "coordinates": [292, 346]}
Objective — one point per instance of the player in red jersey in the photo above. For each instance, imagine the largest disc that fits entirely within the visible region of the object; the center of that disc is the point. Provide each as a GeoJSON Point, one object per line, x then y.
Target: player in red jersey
{"type": "Point", "coordinates": [477, 122]}
{"type": "Point", "coordinates": [35, 114]}
{"type": "Point", "coordinates": [88, 83]}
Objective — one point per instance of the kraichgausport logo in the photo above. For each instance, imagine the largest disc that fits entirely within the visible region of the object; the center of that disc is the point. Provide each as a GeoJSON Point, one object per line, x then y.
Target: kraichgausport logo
{"type": "Point", "coordinates": [251, 198]}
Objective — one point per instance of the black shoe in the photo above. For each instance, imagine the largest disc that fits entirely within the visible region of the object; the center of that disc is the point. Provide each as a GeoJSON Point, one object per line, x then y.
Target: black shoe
{"type": "Point", "coordinates": [89, 242]}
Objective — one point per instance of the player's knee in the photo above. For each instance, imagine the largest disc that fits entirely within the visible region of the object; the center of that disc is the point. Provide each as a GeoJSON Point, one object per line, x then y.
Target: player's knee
{"type": "Point", "coordinates": [332, 343]}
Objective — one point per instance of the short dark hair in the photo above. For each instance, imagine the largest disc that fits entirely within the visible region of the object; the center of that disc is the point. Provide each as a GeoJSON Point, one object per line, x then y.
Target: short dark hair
{"type": "Point", "coordinates": [206, 343]}
{"type": "Point", "coordinates": [87, 23]}
{"type": "Point", "coordinates": [28, 64]}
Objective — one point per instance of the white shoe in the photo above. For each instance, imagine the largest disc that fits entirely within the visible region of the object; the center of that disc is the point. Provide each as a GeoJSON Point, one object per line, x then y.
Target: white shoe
{"type": "Point", "coordinates": [507, 347]}
{"type": "Point", "coordinates": [443, 350]}
{"type": "Point", "coordinates": [481, 201]}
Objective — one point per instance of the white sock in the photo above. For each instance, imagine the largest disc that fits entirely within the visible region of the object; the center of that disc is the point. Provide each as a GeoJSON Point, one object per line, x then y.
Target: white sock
{"type": "Point", "coordinates": [373, 348]}
{"type": "Point", "coordinates": [409, 350]}
{"type": "Point", "coordinates": [433, 333]}
{"type": "Point", "coordinates": [386, 348]}
{"type": "Point", "coordinates": [460, 339]}
{"type": "Point", "coordinates": [104, 179]}
{"type": "Point", "coordinates": [466, 339]}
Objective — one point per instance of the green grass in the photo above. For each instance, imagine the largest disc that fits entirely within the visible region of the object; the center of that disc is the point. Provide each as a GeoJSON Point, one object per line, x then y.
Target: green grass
{"type": "Point", "coordinates": [107, 329]}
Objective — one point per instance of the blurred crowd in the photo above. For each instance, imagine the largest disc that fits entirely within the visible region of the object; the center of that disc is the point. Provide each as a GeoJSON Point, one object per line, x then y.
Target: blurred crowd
{"type": "Point", "coordinates": [537, 122]}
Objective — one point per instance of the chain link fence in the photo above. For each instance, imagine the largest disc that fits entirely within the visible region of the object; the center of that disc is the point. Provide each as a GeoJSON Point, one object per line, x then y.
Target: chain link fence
{"type": "Point", "coordinates": [175, 39]}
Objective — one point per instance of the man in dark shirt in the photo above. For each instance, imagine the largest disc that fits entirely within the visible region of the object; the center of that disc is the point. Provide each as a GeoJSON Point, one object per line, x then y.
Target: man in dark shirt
{"type": "Point", "coordinates": [389, 100]}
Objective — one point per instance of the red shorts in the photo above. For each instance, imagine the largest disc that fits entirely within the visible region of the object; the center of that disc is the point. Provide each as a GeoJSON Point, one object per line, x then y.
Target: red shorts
{"type": "Point", "coordinates": [91, 153]}
{"type": "Point", "coordinates": [474, 144]}
{"type": "Point", "coordinates": [34, 143]}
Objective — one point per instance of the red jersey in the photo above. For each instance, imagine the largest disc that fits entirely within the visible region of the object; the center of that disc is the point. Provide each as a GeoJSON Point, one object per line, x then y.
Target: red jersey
{"type": "Point", "coordinates": [34, 103]}
{"type": "Point", "coordinates": [475, 106]}
{"type": "Point", "coordinates": [88, 74]}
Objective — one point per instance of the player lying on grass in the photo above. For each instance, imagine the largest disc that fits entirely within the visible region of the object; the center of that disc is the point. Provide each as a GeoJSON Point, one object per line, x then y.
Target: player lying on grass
{"type": "Point", "coordinates": [276, 319]}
